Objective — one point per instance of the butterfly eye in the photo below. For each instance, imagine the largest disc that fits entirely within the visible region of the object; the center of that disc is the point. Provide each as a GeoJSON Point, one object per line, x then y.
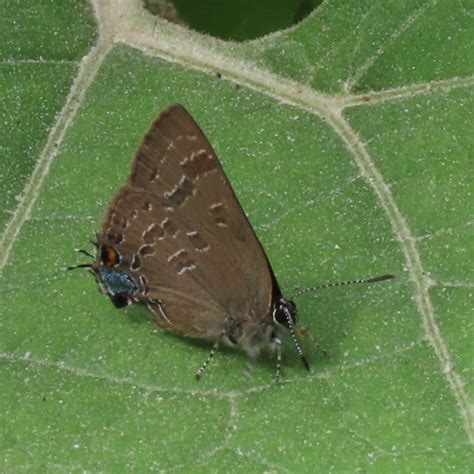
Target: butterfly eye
{"type": "Point", "coordinates": [285, 313]}
{"type": "Point", "coordinates": [109, 257]}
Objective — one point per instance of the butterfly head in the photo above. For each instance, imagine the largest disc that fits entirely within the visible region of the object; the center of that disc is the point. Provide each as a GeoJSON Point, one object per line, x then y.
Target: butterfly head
{"type": "Point", "coordinates": [285, 314]}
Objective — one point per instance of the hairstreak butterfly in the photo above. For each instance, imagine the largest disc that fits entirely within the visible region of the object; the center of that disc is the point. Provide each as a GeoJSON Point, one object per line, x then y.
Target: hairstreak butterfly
{"type": "Point", "coordinates": [175, 239]}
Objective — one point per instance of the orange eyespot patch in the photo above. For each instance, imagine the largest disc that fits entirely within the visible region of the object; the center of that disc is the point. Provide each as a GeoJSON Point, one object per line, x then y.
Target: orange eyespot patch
{"type": "Point", "coordinates": [109, 256]}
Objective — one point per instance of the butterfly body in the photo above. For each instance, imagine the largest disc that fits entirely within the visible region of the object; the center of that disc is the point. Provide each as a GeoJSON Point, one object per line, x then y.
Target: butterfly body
{"type": "Point", "coordinates": [175, 239]}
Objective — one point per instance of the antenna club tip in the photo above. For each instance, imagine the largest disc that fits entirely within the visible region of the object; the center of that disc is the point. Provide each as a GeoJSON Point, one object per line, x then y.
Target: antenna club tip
{"type": "Point", "coordinates": [389, 276]}
{"type": "Point", "coordinates": [306, 364]}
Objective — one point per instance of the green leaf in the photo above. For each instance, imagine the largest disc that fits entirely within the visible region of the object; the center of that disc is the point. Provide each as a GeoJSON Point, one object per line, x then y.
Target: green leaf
{"type": "Point", "coordinates": [348, 140]}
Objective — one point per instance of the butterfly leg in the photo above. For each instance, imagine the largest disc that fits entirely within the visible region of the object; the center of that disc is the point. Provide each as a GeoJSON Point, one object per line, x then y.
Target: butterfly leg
{"type": "Point", "coordinates": [278, 356]}
{"type": "Point", "coordinates": [153, 305]}
{"type": "Point", "coordinates": [214, 349]}
{"type": "Point", "coordinates": [249, 365]}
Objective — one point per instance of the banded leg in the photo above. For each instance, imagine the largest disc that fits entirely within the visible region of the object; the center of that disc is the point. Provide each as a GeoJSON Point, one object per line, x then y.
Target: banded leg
{"type": "Point", "coordinates": [214, 349]}
{"type": "Point", "coordinates": [278, 357]}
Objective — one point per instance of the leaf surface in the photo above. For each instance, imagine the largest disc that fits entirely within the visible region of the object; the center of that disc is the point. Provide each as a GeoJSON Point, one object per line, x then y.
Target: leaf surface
{"type": "Point", "coordinates": [348, 140]}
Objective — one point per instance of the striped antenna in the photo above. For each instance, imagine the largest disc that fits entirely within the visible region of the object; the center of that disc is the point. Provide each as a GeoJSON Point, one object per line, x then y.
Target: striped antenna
{"type": "Point", "coordinates": [342, 283]}
{"type": "Point", "coordinates": [298, 340]}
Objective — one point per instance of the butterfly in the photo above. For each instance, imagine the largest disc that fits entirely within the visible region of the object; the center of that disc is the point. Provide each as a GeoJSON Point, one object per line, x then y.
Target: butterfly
{"type": "Point", "coordinates": [176, 240]}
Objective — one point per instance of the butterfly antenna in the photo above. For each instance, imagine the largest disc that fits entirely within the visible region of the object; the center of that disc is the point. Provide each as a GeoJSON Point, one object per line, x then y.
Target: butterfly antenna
{"type": "Point", "coordinates": [298, 340]}
{"type": "Point", "coordinates": [343, 283]}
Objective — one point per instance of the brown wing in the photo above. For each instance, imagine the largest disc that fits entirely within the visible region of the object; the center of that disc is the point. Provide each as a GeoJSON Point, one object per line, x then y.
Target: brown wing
{"type": "Point", "coordinates": [180, 227]}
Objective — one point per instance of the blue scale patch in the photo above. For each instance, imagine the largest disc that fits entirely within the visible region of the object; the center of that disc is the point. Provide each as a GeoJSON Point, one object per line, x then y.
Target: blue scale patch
{"type": "Point", "coordinates": [116, 282]}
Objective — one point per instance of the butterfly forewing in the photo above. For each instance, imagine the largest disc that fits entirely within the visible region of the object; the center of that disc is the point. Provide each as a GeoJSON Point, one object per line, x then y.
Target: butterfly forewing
{"type": "Point", "coordinates": [182, 235]}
